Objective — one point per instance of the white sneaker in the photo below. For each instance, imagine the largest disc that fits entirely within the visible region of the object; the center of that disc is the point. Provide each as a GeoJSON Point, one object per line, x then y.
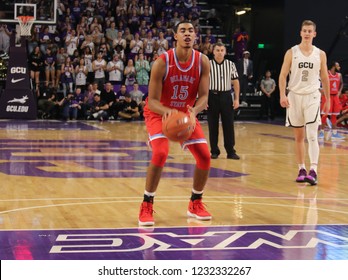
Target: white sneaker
{"type": "Point", "coordinates": [337, 136]}
{"type": "Point", "coordinates": [321, 134]}
{"type": "Point", "coordinates": [329, 123]}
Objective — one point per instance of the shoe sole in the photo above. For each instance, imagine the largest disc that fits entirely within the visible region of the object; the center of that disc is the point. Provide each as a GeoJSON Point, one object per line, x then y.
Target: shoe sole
{"type": "Point", "coordinates": [146, 223]}
{"type": "Point", "coordinates": [310, 182]}
{"type": "Point", "coordinates": [198, 217]}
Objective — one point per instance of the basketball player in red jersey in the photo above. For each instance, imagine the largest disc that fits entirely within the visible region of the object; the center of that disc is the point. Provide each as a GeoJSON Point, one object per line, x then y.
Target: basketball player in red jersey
{"type": "Point", "coordinates": [179, 82]}
{"type": "Point", "coordinates": [336, 86]}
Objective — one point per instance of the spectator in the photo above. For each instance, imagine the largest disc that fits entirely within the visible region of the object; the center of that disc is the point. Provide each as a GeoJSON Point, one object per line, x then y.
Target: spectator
{"type": "Point", "coordinates": [47, 102]}
{"type": "Point", "coordinates": [245, 73]}
{"type": "Point", "coordinates": [129, 109]}
{"type": "Point", "coordinates": [142, 68]}
{"type": "Point", "coordinates": [146, 5]}
{"type": "Point", "coordinates": [155, 56]}
{"type": "Point", "coordinates": [240, 40]}
{"type": "Point", "coordinates": [162, 44]}
{"type": "Point", "coordinates": [45, 39]}
{"type": "Point", "coordinates": [5, 34]}
{"type": "Point", "coordinates": [70, 107]}
{"type": "Point", "coordinates": [174, 20]}
{"type": "Point", "coordinates": [88, 43]}
{"type": "Point", "coordinates": [169, 36]}
{"type": "Point", "coordinates": [81, 72]}
{"type": "Point", "coordinates": [71, 42]}
{"type": "Point", "coordinates": [88, 58]}
{"type": "Point", "coordinates": [149, 45]}
{"type": "Point", "coordinates": [50, 67]}
{"type": "Point", "coordinates": [135, 46]}
{"type": "Point", "coordinates": [35, 64]}
{"type": "Point", "coordinates": [97, 35]}
{"type": "Point", "coordinates": [128, 37]}
{"type": "Point", "coordinates": [120, 95]}
{"type": "Point", "coordinates": [119, 41]}
{"type": "Point", "coordinates": [138, 96]}
{"type": "Point", "coordinates": [213, 18]}
{"type": "Point", "coordinates": [206, 47]}
{"type": "Point", "coordinates": [195, 9]}
{"type": "Point", "coordinates": [111, 34]}
{"type": "Point", "coordinates": [67, 78]}
{"type": "Point", "coordinates": [133, 21]}
{"type": "Point", "coordinates": [108, 95]}
{"type": "Point", "coordinates": [115, 68]}
{"type": "Point", "coordinates": [89, 97]}
{"type": "Point", "coordinates": [60, 61]}
{"type": "Point", "coordinates": [95, 24]}
{"type": "Point", "coordinates": [98, 110]}
{"type": "Point", "coordinates": [212, 38]}
{"type": "Point", "coordinates": [198, 39]}
{"type": "Point", "coordinates": [148, 17]}
{"type": "Point", "coordinates": [99, 67]}
{"type": "Point", "coordinates": [130, 73]}
{"type": "Point", "coordinates": [268, 86]}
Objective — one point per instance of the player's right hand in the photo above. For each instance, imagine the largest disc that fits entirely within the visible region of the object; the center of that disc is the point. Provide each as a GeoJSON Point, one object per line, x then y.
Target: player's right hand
{"type": "Point", "coordinates": [284, 102]}
{"type": "Point", "coordinates": [168, 112]}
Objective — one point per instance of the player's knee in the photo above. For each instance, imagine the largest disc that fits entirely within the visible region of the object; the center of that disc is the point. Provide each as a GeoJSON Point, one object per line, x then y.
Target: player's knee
{"type": "Point", "coordinates": [160, 151]}
{"type": "Point", "coordinates": [202, 156]}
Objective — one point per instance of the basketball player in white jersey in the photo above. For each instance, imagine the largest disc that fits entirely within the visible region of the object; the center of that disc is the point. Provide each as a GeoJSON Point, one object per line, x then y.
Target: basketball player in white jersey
{"type": "Point", "coordinates": [306, 65]}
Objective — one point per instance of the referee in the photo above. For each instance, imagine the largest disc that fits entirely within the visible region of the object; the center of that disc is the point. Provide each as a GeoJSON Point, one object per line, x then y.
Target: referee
{"type": "Point", "coordinates": [223, 74]}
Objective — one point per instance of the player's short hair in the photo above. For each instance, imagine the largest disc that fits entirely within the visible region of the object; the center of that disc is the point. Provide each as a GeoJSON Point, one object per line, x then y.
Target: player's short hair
{"type": "Point", "coordinates": [309, 22]}
{"type": "Point", "coordinates": [218, 44]}
{"type": "Point", "coordinates": [175, 29]}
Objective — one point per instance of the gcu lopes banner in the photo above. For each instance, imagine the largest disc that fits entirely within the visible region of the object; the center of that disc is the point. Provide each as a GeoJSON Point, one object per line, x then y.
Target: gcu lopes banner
{"type": "Point", "coordinates": [17, 101]}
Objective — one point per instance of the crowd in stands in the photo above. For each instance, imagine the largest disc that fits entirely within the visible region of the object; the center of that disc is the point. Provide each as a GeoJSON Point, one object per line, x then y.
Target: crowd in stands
{"type": "Point", "coordinates": [95, 63]}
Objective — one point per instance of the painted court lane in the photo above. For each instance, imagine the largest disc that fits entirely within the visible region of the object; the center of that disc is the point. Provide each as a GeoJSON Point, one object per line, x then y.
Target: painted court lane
{"type": "Point", "coordinates": [322, 242]}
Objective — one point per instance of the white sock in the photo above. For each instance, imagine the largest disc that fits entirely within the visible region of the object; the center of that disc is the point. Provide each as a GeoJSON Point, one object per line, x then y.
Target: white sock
{"type": "Point", "coordinates": [301, 166]}
{"type": "Point", "coordinates": [314, 167]}
{"type": "Point", "coordinates": [196, 192]}
{"type": "Point", "coordinates": [149, 193]}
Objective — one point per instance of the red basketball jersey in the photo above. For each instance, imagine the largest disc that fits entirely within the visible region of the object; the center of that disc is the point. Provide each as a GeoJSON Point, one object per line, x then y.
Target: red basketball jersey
{"type": "Point", "coordinates": [181, 81]}
{"type": "Point", "coordinates": [335, 82]}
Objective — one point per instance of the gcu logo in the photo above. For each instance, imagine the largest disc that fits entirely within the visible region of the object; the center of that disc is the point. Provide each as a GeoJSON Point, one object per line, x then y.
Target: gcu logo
{"type": "Point", "coordinates": [19, 70]}
{"type": "Point", "coordinates": [305, 65]}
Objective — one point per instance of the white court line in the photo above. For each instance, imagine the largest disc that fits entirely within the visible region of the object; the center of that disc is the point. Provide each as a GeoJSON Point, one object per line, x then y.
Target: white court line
{"type": "Point", "coordinates": [169, 196]}
{"type": "Point", "coordinates": [159, 200]}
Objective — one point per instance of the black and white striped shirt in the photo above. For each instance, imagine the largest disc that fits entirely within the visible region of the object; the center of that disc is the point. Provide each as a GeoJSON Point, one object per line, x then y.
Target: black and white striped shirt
{"type": "Point", "coordinates": [221, 75]}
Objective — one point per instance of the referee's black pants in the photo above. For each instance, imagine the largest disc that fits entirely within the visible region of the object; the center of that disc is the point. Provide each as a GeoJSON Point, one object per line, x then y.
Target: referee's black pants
{"type": "Point", "coordinates": [220, 103]}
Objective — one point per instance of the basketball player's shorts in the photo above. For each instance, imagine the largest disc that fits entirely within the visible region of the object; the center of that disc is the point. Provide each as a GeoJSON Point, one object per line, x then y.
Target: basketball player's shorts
{"type": "Point", "coordinates": [335, 105]}
{"type": "Point", "coordinates": [153, 124]}
{"type": "Point", "coordinates": [303, 109]}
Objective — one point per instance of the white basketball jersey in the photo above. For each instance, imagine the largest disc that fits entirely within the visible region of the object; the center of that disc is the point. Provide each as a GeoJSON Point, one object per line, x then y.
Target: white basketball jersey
{"type": "Point", "coordinates": [305, 71]}
{"type": "Point", "coordinates": [81, 78]}
{"type": "Point", "coordinates": [99, 73]}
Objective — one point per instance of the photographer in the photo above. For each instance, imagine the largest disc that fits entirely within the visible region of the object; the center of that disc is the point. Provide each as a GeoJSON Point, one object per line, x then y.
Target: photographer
{"type": "Point", "coordinates": [98, 110]}
{"type": "Point", "coordinates": [129, 109]}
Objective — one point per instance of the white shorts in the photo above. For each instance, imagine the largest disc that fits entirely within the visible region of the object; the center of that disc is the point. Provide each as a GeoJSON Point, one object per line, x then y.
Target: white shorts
{"type": "Point", "coordinates": [303, 109]}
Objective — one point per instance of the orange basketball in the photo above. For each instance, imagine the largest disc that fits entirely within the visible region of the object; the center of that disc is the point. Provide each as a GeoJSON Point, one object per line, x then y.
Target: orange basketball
{"type": "Point", "coordinates": [177, 127]}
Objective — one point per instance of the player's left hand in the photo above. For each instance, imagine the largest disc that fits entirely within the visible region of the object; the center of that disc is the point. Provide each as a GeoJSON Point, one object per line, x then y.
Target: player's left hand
{"type": "Point", "coordinates": [235, 104]}
{"type": "Point", "coordinates": [193, 115]}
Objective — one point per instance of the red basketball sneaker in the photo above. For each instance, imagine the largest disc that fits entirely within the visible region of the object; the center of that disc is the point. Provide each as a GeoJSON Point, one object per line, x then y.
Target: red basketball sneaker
{"type": "Point", "coordinates": [146, 214]}
{"type": "Point", "coordinates": [197, 210]}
